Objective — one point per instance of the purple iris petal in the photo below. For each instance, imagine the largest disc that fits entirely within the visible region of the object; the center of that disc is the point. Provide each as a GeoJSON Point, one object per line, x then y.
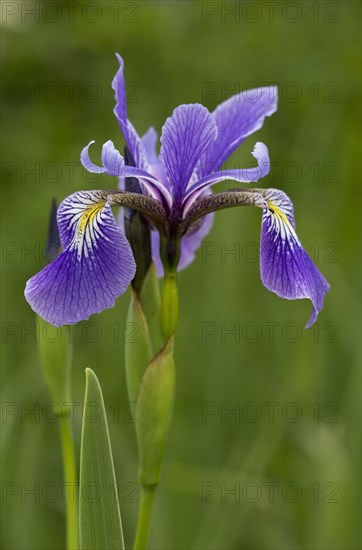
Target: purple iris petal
{"type": "Point", "coordinates": [185, 137]}
{"type": "Point", "coordinates": [134, 142]}
{"type": "Point", "coordinates": [95, 268]}
{"type": "Point", "coordinates": [245, 175]}
{"type": "Point", "coordinates": [285, 267]}
{"type": "Point", "coordinates": [237, 118]}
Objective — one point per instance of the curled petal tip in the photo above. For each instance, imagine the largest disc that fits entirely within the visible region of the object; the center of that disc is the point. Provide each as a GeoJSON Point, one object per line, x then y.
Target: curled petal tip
{"type": "Point", "coordinates": [119, 58]}
{"type": "Point", "coordinates": [112, 160]}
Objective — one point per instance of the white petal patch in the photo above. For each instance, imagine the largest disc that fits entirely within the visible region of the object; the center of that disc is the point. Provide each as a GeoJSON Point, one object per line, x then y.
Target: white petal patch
{"type": "Point", "coordinates": [281, 203]}
{"type": "Point", "coordinates": [280, 225]}
{"type": "Point", "coordinates": [82, 219]}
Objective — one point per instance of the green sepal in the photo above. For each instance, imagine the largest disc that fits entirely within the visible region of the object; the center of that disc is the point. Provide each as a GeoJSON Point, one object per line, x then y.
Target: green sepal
{"type": "Point", "coordinates": [155, 403]}
{"type": "Point", "coordinates": [100, 525]}
{"type": "Point", "coordinates": [138, 350]}
{"type": "Point", "coordinates": [150, 298]}
{"type": "Point", "coordinates": [55, 357]}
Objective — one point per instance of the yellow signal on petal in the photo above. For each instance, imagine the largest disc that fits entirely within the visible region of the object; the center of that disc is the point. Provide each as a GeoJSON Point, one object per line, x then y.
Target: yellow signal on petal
{"type": "Point", "coordinates": [84, 238]}
{"type": "Point", "coordinates": [275, 210]}
{"type": "Point", "coordinates": [88, 216]}
{"type": "Point", "coordinates": [281, 225]}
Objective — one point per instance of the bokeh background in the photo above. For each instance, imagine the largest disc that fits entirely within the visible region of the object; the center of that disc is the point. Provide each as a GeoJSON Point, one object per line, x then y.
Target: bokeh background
{"type": "Point", "coordinates": [57, 67]}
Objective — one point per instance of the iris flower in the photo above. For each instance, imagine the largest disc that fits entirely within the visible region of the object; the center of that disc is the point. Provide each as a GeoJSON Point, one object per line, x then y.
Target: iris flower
{"type": "Point", "coordinates": [97, 263]}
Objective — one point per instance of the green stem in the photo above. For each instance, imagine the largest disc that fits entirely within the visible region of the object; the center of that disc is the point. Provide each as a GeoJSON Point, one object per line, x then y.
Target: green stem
{"type": "Point", "coordinates": [144, 518]}
{"type": "Point", "coordinates": [169, 306]}
{"type": "Point", "coordinates": [70, 482]}
{"type": "Point", "coordinates": [56, 360]}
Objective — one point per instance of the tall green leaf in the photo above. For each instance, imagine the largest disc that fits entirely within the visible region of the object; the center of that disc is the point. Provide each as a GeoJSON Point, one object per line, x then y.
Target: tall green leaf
{"type": "Point", "coordinates": [99, 514]}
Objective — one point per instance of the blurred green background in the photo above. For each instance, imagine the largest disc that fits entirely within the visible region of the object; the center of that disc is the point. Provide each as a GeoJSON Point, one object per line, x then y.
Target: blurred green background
{"type": "Point", "coordinates": [57, 66]}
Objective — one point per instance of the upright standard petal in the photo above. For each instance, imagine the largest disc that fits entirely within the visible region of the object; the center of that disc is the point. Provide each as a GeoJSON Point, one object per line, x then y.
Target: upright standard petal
{"type": "Point", "coordinates": [185, 137]}
{"type": "Point", "coordinates": [133, 141]}
{"type": "Point", "coordinates": [95, 267]}
{"type": "Point", "coordinates": [237, 118]}
{"type": "Point", "coordinates": [285, 267]}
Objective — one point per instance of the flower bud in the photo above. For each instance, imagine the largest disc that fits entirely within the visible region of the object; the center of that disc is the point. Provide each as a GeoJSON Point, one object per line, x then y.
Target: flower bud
{"type": "Point", "coordinates": [137, 231]}
{"type": "Point", "coordinates": [155, 403]}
